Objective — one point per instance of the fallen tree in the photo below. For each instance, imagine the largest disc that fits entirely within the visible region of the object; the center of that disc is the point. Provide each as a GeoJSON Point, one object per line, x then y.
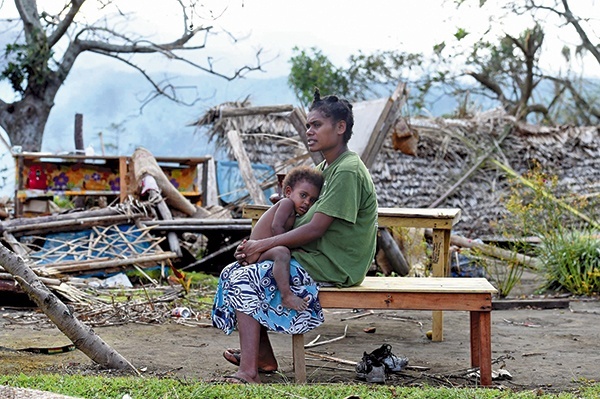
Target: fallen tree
{"type": "Point", "coordinates": [82, 336]}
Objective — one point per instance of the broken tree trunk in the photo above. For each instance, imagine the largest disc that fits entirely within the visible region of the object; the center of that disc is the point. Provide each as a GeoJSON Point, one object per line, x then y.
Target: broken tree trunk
{"type": "Point", "coordinates": [394, 256]}
{"type": "Point", "coordinates": [145, 164]}
{"type": "Point", "coordinates": [84, 338]}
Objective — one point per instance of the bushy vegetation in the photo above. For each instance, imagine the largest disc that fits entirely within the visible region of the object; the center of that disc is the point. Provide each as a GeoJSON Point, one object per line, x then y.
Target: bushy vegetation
{"type": "Point", "coordinates": [569, 252]}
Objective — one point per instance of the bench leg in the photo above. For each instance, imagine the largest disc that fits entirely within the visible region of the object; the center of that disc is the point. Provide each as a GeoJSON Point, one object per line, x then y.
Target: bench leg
{"type": "Point", "coordinates": [299, 358]}
{"type": "Point", "coordinates": [437, 326]}
{"type": "Point", "coordinates": [440, 262]}
{"type": "Point", "coordinates": [481, 345]}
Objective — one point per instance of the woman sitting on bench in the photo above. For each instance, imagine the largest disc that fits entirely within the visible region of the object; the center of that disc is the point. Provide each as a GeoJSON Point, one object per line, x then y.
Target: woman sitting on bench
{"type": "Point", "coordinates": [333, 243]}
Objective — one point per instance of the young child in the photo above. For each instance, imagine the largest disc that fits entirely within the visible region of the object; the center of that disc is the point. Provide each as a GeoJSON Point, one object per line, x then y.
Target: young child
{"type": "Point", "coordinates": [301, 188]}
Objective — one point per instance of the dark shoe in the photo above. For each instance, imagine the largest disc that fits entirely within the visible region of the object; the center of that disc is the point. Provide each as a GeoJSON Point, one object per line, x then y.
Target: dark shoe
{"type": "Point", "coordinates": [370, 369]}
{"type": "Point", "coordinates": [392, 363]}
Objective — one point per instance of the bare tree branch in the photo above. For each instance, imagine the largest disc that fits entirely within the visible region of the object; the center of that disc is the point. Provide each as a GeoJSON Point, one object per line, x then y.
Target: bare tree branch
{"type": "Point", "coordinates": [63, 25]}
{"type": "Point", "coordinates": [37, 68]}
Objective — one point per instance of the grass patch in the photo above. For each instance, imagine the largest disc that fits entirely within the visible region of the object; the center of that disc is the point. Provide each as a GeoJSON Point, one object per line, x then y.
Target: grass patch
{"type": "Point", "coordinates": [99, 387]}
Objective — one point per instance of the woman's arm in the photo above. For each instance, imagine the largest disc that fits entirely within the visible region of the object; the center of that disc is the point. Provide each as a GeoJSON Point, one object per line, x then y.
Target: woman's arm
{"type": "Point", "coordinates": [249, 251]}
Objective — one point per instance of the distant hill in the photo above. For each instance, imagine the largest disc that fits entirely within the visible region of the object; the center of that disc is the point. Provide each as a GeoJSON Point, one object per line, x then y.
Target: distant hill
{"type": "Point", "coordinates": [110, 103]}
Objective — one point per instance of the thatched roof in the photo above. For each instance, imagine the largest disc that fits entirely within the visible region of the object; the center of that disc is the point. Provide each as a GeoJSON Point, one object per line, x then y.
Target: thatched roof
{"type": "Point", "coordinates": [269, 138]}
{"type": "Point", "coordinates": [447, 150]}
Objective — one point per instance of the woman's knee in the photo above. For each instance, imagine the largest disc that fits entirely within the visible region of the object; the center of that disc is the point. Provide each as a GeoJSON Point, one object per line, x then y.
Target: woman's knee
{"type": "Point", "coordinates": [281, 253]}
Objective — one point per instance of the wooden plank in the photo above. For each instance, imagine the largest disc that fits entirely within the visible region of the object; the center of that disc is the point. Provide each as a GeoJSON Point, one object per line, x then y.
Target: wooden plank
{"type": "Point", "coordinates": [434, 218]}
{"type": "Point", "coordinates": [388, 118]}
{"type": "Point", "coordinates": [438, 218]}
{"type": "Point", "coordinates": [471, 285]}
{"type": "Point", "coordinates": [392, 251]}
{"type": "Point", "coordinates": [123, 179]}
{"type": "Point", "coordinates": [552, 303]}
{"type": "Point", "coordinates": [407, 300]}
{"type": "Point", "coordinates": [197, 221]}
{"type": "Point", "coordinates": [366, 115]}
{"type": "Point", "coordinates": [256, 193]}
{"type": "Point", "coordinates": [259, 110]}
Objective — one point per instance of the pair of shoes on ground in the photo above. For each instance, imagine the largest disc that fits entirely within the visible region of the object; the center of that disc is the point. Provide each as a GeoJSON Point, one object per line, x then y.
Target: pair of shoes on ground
{"type": "Point", "coordinates": [374, 366]}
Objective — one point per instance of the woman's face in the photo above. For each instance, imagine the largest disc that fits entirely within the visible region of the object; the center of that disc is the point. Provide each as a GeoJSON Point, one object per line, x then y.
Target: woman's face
{"type": "Point", "coordinates": [322, 134]}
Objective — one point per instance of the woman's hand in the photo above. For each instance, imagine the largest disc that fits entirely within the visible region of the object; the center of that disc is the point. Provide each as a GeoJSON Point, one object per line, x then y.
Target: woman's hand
{"type": "Point", "coordinates": [247, 253]}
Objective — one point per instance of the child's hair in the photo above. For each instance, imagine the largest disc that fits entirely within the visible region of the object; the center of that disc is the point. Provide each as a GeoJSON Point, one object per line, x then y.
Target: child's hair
{"type": "Point", "coordinates": [336, 108]}
{"type": "Point", "coordinates": [303, 173]}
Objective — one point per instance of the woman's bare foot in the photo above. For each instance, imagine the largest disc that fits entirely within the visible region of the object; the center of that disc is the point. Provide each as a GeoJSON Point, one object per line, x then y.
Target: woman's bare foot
{"type": "Point", "coordinates": [292, 301]}
{"type": "Point", "coordinates": [238, 378]}
{"type": "Point", "coordinates": [233, 356]}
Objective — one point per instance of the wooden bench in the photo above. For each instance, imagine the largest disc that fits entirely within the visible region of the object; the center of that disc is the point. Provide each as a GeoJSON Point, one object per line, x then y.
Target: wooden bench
{"type": "Point", "coordinates": [473, 295]}
{"type": "Point", "coordinates": [437, 293]}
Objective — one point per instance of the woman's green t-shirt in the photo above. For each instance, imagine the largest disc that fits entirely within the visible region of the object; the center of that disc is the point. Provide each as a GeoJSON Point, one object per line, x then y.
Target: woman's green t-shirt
{"type": "Point", "coordinates": [343, 255]}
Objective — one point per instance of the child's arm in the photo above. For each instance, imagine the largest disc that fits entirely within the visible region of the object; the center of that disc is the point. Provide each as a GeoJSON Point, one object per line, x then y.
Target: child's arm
{"type": "Point", "coordinates": [284, 217]}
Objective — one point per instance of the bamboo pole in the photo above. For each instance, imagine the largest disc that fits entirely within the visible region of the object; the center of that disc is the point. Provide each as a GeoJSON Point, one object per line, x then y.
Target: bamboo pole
{"type": "Point", "coordinates": [74, 224]}
{"type": "Point", "coordinates": [106, 212]}
{"type": "Point", "coordinates": [58, 268]}
{"type": "Point", "coordinates": [496, 252]}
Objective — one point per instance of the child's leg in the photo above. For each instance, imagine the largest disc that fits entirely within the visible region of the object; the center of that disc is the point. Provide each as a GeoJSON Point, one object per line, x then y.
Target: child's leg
{"type": "Point", "coordinates": [281, 271]}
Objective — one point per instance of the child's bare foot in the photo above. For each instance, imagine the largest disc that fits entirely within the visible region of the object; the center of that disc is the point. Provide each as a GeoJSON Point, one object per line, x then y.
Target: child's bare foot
{"type": "Point", "coordinates": [294, 302]}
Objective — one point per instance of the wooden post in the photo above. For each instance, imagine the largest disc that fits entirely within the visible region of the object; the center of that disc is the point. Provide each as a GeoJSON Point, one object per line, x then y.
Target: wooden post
{"type": "Point", "coordinates": [79, 146]}
{"type": "Point", "coordinates": [441, 247]}
{"type": "Point", "coordinates": [123, 178]}
{"type": "Point", "coordinates": [210, 196]}
{"type": "Point", "coordinates": [299, 359]}
{"type": "Point", "coordinates": [245, 166]}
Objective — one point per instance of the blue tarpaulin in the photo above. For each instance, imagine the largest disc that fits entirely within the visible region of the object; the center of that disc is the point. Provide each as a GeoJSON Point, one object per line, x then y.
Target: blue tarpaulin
{"type": "Point", "coordinates": [231, 185]}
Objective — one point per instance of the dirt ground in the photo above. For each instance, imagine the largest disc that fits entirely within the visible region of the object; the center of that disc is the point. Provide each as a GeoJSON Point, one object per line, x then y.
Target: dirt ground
{"type": "Point", "coordinates": [542, 349]}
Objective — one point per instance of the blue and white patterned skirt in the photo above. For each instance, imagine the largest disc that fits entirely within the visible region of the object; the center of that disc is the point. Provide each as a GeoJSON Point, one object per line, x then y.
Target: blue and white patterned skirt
{"type": "Point", "coordinates": [252, 290]}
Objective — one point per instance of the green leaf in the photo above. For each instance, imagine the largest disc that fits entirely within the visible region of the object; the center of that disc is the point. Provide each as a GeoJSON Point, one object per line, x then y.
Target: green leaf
{"type": "Point", "coordinates": [460, 34]}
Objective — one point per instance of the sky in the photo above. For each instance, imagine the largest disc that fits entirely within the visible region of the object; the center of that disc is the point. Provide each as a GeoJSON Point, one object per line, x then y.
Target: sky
{"type": "Point", "coordinates": [340, 28]}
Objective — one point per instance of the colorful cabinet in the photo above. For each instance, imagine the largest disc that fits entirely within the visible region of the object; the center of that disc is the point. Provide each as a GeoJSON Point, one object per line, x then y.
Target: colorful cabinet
{"type": "Point", "coordinates": [40, 175]}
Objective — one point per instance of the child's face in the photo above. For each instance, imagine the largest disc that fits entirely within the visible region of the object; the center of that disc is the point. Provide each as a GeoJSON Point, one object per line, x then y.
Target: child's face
{"type": "Point", "coordinates": [303, 195]}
